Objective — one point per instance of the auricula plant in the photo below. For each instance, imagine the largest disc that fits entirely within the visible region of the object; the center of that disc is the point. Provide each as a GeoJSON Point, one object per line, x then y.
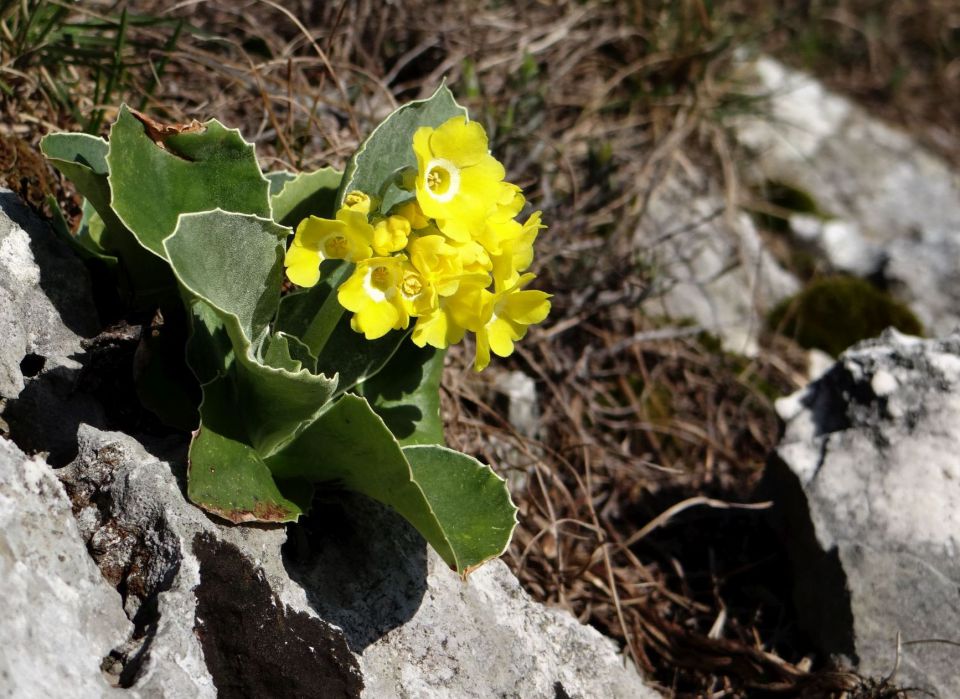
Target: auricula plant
{"type": "Point", "coordinates": [334, 385]}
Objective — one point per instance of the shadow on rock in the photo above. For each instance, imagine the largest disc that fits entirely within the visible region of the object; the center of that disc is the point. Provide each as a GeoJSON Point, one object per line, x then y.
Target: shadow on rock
{"type": "Point", "coordinates": [100, 392]}
{"type": "Point", "coordinates": [362, 566]}
{"type": "Point", "coordinates": [68, 291]}
{"type": "Point", "coordinates": [47, 413]}
{"type": "Point", "coordinates": [255, 646]}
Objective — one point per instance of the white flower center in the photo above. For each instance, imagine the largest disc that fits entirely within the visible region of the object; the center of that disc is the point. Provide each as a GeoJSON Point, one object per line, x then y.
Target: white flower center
{"type": "Point", "coordinates": [443, 179]}
{"type": "Point", "coordinates": [374, 283]}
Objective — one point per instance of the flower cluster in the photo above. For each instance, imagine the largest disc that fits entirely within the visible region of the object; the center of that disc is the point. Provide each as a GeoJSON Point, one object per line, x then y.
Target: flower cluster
{"type": "Point", "coordinates": [454, 255]}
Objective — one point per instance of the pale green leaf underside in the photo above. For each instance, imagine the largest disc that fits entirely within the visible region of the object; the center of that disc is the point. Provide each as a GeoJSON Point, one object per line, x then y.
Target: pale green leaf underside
{"type": "Point", "coordinates": [83, 158]}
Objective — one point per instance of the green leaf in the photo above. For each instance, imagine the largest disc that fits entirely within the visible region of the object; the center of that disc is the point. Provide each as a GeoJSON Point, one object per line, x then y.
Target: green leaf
{"type": "Point", "coordinates": [354, 358]}
{"type": "Point", "coordinates": [83, 159]}
{"type": "Point", "coordinates": [313, 315]}
{"type": "Point", "coordinates": [227, 477]}
{"type": "Point", "coordinates": [233, 263]}
{"type": "Point", "coordinates": [194, 171]}
{"type": "Point", "coordinates": [459, 505]}
{"type": "Point", "coordinates": [406, 394]}
{"type": "Point", "coordinates": [284, 351]}
{"type": "Point", "coordinates": [469, 500]}
{"type": "Point", "coordinates": [85, 246]}
{"type": "Point", "coordinates": [277, 179]}
{"type": "Point", "coordinates": [306, 194]}
{"type": "Point", "coordinates": [389, 148]}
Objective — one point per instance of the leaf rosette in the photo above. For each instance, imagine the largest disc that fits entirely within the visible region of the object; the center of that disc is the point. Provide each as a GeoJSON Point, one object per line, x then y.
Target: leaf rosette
{"type": "Point", "coordinates": [293, 398]}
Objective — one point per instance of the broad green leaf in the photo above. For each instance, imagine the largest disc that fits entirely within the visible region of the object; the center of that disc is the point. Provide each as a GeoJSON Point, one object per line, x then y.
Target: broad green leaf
{"type": "Point", "coordinates": [194, 171]}
{"type": "Point", "coordinates": [406, 394]}
{"type": "Point", "coordinates": [350, 447]}
{"type": "Point", "coordinates": [307, 194]}
{"type": "Point", "coordinates": [469, 500]}
{"type": "Point", "coordinates": [389, 148]}
{"type": "Point", "coordinates": [354, 358]}
{"type": "Point", "coordinates": [83, 159]}
{"type": "Point", "coordinates": [227, 477]}
{"type": "Point", "coordinates": [233, 263]}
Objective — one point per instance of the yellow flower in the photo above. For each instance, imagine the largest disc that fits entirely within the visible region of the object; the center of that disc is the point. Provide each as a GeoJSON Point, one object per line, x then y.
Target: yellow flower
{"type": "Point", "coordinates": [458, 182]}
{"type": "Point", "coordinates": [318, 239]}
{"type": "Point", "coordinates": [438, 262]}
{"type": "Point", "coordinates": [376, 292]}
{"type": "Point", "coordinates": [411, 211]}
{"type": "Point", "coordinates": [507, 315]}
{"type": "Point", "coordinates": [454, 315]}
{"type": "Point", "coordinates": [390, 235]}
{"type": "Point", "coordinates": [500, 225]}
{"type": "Point", "coordinates": [516, 253]}
{"type": "Point", "coordinates": [358, 201]}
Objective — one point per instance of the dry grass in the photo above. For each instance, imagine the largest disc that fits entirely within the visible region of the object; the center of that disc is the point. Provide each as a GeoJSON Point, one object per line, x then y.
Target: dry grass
{"type": "Point", "coordinates": [635, 483]}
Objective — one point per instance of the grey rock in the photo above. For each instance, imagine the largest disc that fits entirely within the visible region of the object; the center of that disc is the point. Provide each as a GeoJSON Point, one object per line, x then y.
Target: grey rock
{"type": "Point", "coordinates": [868, 477]}
{"type": "Point", "coordinates": [709, 263]}
{"type": "Point", "coordinates": [45, 304]}
{"type": "Point", "coordinates": [356, 575]}
{"type": "Point", "coordinates": [45, 310]}
{"type": "Point", "coordinates": [144, 536]}
{"type": "Point", "coordinates": [60, 618]}
{"type": "Point", "coordinates": [897, 204]}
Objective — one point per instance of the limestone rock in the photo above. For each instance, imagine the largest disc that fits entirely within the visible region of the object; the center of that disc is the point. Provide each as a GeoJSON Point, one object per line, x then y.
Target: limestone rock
{"type": "Point", "coordinates": [60, 617]}
{"type": "Point", "coordinates": [868, 477]}
{"type": "Point", "coordinates": [378, 610]}
{"type": "Point", "coordinates": [45, 305]}
{"type": "Point", "coordinates": [895, 205]}
{"type": "Point", "coordinates": [710, 264]}
{"type": "Point", "coordinates": [45, 310]}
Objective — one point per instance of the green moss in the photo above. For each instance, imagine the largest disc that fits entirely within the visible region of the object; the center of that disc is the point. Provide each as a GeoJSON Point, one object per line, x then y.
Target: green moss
{"type": "Point", "coordinates": [833, 313]}
{"type": "Point", "coordinates": [786, 198]}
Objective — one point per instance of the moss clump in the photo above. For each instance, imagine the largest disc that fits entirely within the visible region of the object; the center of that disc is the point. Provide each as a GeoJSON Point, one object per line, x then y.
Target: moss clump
{"type": "Point", "coordinates": [833, 313]}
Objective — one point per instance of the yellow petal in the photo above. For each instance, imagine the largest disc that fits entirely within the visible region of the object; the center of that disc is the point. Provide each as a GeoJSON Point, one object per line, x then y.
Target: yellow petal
{"type": "Point", "coordinates": [460, 141]}
{"type": "Point", "coordinates": [303, 266]}
{"type": "Point", "coordinates": [527, 307]}
{"type": "Point", "coordinates": [482, 358]}
{"type": "Point", "coordinates": [377, 319]}
{"type": "Point", "coordinates": [314, 230]}
{"type": "Point", "coordinates": [351, 293]}
{"type": "Point", "coordinates": [501, 336]}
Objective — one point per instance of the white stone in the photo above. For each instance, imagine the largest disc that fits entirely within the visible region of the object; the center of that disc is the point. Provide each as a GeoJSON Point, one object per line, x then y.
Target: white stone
{"type": "Point", "coordinates": [874, 462]}
{"type": "Point", "coordinates": [61, 618]}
